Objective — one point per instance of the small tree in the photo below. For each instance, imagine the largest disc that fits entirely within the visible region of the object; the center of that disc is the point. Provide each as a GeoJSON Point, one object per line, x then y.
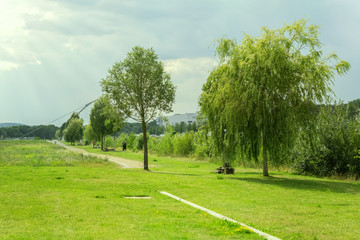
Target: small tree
{"type": "Point", "coordinates": [265, 88]}
{"type": "Point", "coordinates": [74, 131]}
{"type": "Point", "coordinates": [140, 88]}
{"type": "Point", "coordinates": [104, 119]}
{"type": "Point", "coordinates": [74, 115]}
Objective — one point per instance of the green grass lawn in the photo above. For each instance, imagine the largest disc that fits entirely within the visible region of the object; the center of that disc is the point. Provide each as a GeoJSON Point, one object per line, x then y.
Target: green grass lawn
{"type": "Point", "coordinates": [49, 193]}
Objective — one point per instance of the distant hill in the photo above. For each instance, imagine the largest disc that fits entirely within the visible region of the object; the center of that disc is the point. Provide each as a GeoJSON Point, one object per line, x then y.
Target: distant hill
{"type": "Point", "coordinates": [4, 125]}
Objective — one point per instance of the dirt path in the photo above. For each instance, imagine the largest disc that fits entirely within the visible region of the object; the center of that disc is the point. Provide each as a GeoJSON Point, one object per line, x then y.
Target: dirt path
{"type": "Point", "coordinates": [125, 163]}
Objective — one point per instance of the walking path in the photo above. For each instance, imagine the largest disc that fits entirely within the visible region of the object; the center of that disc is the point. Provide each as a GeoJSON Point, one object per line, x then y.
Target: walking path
{"type": "Point", "coordinates": [125, 163]}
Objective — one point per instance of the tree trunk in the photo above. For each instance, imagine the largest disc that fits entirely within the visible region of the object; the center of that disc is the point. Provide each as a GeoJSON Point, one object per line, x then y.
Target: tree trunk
{"type": "Point", "coordinates": [102, 141]}
{"type": "Point", "coordinates": [265, 162]}
{"type": "Point", "coordinates": [114, 142]}
{"type": "Point", "coordinates": [146, 166]}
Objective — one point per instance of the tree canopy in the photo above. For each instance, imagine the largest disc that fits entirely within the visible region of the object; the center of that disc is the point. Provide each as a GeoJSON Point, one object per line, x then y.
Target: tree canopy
{"type": "Point", "coordinates": [140, 88]}
{"type": "Point", "coordinates": [265, 87]}
{"type": "Point", "coordinates": [104, 119]}
{"type": "Point", "coordinates": [74, 130]}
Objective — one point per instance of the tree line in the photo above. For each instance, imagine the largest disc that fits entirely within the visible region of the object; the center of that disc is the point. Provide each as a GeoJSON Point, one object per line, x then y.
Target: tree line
{"type": "Point", "coordinates": [41, 131]}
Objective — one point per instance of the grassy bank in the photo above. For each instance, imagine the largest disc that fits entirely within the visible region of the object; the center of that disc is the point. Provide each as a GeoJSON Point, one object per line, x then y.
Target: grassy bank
{"type": "Point", "coordinates": [86, 201]}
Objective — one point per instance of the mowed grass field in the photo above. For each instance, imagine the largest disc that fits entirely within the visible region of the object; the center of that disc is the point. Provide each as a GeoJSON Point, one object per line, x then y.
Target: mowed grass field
{"type": "Point", "coordinates": [47, 192]}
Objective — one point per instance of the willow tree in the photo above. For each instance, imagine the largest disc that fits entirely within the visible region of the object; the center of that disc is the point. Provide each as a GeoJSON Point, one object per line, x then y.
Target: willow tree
{"type": "Point", "coordinates": [265, 88]}
{"type": "Point", "coordinates": [140, 88]}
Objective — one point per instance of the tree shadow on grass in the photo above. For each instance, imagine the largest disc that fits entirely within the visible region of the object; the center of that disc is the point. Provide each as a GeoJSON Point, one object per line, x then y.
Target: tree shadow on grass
{"type": "Point", "coordinates": [305, 184]}
{"type": "Point", "coordinates": [179, 174]}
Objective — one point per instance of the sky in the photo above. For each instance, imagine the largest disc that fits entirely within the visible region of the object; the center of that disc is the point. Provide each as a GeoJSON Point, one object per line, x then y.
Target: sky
{"type": "Point", "coordinates": [53, 54]}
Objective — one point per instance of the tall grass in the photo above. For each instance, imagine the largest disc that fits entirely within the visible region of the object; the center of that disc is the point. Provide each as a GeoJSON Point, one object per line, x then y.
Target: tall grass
{"type": "Point", "coordinates": [39, 153]}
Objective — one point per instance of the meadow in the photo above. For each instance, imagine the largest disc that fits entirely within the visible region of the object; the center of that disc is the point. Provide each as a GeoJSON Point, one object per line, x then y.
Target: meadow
{"type": "Point", "coordinates": [50, 193]}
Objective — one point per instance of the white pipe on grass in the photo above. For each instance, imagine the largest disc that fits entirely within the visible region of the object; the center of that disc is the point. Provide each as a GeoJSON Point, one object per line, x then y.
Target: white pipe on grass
{"type": "Point", "coordinates": [215, 214]}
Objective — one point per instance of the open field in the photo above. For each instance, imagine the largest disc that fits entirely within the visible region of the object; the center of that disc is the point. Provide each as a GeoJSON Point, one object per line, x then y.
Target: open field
{"type": "Point", "coordinates": [49, 193]}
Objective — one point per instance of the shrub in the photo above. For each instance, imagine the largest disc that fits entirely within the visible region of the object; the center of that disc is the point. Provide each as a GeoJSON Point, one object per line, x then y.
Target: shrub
{"type": "Point", "coordinates": [333, 147]}
{"type": "Point", "coordinates": [165, 145]}
{"type": "Point", "coordinates": [109, 142]}
{"type": "Point", "coordinates": [139, 141]}
{"type": "Point", "coordinates": [130, 143]}
{"type": "Point", "coordinates": [184, 144]}
{"type": "Point", "coordinates": [122, 138]}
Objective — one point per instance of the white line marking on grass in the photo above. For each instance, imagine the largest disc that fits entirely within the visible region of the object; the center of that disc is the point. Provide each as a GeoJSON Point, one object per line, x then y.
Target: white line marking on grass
{"type": "Point", "coordinates": [267, 236]}
{"type": "Point", "coordinates": [135, 197]}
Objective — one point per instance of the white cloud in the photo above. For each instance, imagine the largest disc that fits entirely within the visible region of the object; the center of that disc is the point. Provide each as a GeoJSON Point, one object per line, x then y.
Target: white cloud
{"type": "Point", "coordinates": [15, 50]}
{"type": "Point", "coordinates": [188, 75]}
{"type": "Point", "coordinates": [7, 66]}
{"type": "Point", "coordinates": [197, 66]}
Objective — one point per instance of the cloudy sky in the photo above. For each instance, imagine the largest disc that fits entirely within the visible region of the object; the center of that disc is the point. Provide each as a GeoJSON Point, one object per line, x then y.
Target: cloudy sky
{"type": "Point", "coordinates": [54, 53]}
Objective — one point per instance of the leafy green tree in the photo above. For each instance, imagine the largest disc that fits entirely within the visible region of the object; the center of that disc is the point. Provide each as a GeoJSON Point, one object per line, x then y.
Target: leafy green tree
{"type": "Point", "coordinates": [58, 134]}
{"type": "Point", "coordinates": [265, 88]}
{"type": "Point", "coordinates": [3, 134]}
{"type": "Point", "coordinates": [74, 115]}
{"type": "Point", "coordinates": [89, 134]}
{"type": "Point", "coordinates": [104, 119]}
{"type": "Point", "coordinates": [140, 88]}
{"type": "Point", "coordinates": [74, 130]}
{"type": "Point", "coordinates": [154, 129]}
{"type": "Point", "coordinates": [353, 108]}
{"type": "Point", "coordinates": [191, 127]}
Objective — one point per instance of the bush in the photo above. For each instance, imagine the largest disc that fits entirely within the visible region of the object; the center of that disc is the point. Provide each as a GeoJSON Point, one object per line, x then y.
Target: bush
{"type": "Point", "coordinates": [139, 141]}
{"type": "Point", "coordinates": [333, 147]}
{"type": "Point", "coordinates": [122, 138]}
{"type": "Point", "coordinates": [184, 144]}
{"type": "Point", "coordinates": [130, 143]}
{"type": "Point", "coordinates": [165, 145]}
{"type": "Point", "coordinates": [109, 142]}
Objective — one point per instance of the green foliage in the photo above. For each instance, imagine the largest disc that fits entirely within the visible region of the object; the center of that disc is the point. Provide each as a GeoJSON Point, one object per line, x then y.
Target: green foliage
{"type": "Point", "coordinates": [3, 134]}
{"type": "Point", "coordinates": [165, 145]}
{"type": "Point", "coordinates": [184, 144]}
{"type": "Point", "coordinates": [130, 143]}
{"type": "Point", "coordinates": [109, 142]}
{"type": "Point", "coordinates": [41, 131]}
{"type": "Point", "coordinates": [332, 149]}
{"type": "Point", "coordinates": [74, 131]}
{"type": "Point", "coordinates": [203, 145]}
{"type": "Point", "coordinates": [122, 138]}
{"type": "Point", "coordinates": [140, 88]}
{"type": "Point", "coordinates": [154, 129]}
{"type": "Point", "coordinates": [104, 119]}
{"type": "Point", "coordinates": [353, 108]}
{"type": "Point", "coordinates": [89, 134]}
{"type": "Point", "coordinates": [265, 88]}
{"type": "Point", "coordinates": [139, 141]}
{"type": "Point", "coordinates": [131, 127]}
{"type": "Point", "coordinates": [74, 115]}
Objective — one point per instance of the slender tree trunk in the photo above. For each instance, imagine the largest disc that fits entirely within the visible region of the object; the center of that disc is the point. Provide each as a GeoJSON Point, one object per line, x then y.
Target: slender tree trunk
{"type": "Point", "coordinates": [146, 166]}
{"type": "Point", "coordinates": [265, 162]}
{"type": "Point", "coordinates": [102, 141]}
{"type": "Point", "coordinates": [114, 141]}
